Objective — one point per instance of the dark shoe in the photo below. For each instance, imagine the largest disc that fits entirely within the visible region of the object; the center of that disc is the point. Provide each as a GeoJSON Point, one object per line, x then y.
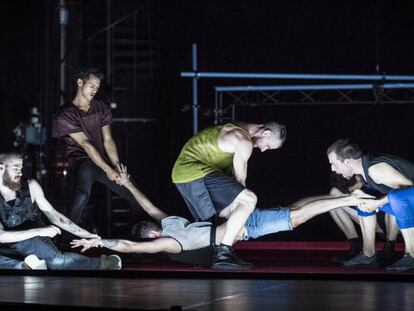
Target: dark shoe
{"type": "Point", "coordinates": [380, 236]}
{"type": "Point", "coordinates": [385, 256]}
{"type": "Point", "coordinates": [111, 262]}
{"type": "Point", "coordinates": [361, 260]}
{"type": "Point", "coordinates": [404, 264]}
{"type": "Point", "coordinates": [355, 247]}
{"type": "Point", "coordinates": [224, 259]}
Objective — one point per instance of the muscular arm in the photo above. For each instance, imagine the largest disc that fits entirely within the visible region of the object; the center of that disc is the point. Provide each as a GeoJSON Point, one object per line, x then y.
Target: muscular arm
{"type": "Point", "coordinates": [54, 216]}
{"type": "Point", "coordinates": [164, 244]}
{"type": "Point", "coordinates": [236, 141]}
{"type": "Point", "coordinates": [110, 146]}
{"type": "Point", "coordinates": [383, 173]}
{"type": "Point", "coordinates": [84, 142]}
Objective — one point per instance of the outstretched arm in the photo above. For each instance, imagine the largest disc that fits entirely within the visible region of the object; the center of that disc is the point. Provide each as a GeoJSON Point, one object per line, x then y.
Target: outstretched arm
{"type": "Point", "coordinates": [164, 244]}
{"type": "Point", "coordinates": [141, 198]}
{"type": "Point", "coordinates": [53, 215]}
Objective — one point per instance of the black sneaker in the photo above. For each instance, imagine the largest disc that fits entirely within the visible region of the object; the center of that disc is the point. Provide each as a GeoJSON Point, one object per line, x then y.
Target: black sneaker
{"type": "Point", "coordinates": [225, 260]}
{"type": "Point", "coordinates": [361, 260]}
{"type": "Point", "coordinates": [355, 247]}
{"type": "Point", "coordinates": [404, 264]}
{"type": "Point", "coordinates": [385, 256]}
{"type": "Point", "coordinates": [111, 262]}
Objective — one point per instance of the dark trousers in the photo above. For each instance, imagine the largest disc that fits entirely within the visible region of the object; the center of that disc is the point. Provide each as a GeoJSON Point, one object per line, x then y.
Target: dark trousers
{"type": "Point", "coordinates": [87, 173]}
{"type": "Point", "coordinates": [44, 248]}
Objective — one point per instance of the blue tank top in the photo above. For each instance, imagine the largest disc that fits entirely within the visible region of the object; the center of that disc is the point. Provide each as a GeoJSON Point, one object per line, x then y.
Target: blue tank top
{"type": "Point", "coordinates": [21, 213]}
{"type": "Point", "coordinates": [403, 166]}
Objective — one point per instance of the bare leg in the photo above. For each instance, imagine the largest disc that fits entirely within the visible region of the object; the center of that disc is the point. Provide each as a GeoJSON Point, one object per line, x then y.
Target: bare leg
{"type": "Point", "coordinates": [237, 214]}
{"type": "Point", "coordinates": [408, 235]}
{"type": "Point", "coordinates": [368, 225]}
{"type": "Point", "coordinates": [302, 202]}
{"type": "Point", "coordinates": [314, 208]}
{"type": "Point", "coordinates": [391, 227]}
{"type": "Point", "coordinates": [344, 221]}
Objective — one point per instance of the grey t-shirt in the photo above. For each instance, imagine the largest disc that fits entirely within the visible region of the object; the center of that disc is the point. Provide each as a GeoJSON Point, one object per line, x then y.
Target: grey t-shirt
{"type": "Point", "coordinates": [191, 236]}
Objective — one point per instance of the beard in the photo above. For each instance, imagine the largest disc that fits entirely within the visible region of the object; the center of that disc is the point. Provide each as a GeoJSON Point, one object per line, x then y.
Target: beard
{"type": "Point", "coordinates": [8, 182]}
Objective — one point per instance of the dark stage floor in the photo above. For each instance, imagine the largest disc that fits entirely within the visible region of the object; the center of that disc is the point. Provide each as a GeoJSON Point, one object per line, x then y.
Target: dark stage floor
{"type": "Point", "coordinates": [287, 276]}
{"type": "Point", "coordinates": [60, 293]}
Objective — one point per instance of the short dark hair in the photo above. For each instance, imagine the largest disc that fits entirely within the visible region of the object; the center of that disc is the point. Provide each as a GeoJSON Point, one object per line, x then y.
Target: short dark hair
{"type": "Point", "coordinates": [276, 129]}
{"type": "Point", "coordinates": [84, 74]}
{"type": "Point", "coordinates": [341, 183]}
{"type": "Point", "coordinates": [5, 157]}
{"type": "Point", "coordinates": [345, 149]}
{"type": "Point", "coordinates": [142, 229]}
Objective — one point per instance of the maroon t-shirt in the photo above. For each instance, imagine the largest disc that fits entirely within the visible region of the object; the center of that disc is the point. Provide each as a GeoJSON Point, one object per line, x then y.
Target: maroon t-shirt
{"type": "Point", "coordinates": [73, 120]}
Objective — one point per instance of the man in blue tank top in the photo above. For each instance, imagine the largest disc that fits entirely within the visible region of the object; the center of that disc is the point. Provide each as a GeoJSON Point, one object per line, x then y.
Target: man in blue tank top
{"type": "Point", "coordinates": [393, 177]}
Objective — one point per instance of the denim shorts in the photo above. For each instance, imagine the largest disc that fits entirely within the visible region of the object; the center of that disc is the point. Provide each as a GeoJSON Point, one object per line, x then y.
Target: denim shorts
{"type": "Point", "coordinates": [267, 221]}
{"type": "Point", "coordinates": [209, 195]}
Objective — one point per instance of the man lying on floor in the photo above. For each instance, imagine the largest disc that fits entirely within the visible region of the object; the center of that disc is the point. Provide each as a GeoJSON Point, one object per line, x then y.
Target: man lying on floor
{"type": "Point", "coordinates": [194, 242]}
{"type": "Point", "coordinates": [23, 231]}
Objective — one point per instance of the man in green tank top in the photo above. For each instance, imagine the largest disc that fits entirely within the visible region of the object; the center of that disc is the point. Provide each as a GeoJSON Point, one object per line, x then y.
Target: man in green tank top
{"type": "Point", "coordinates": [211, 172]}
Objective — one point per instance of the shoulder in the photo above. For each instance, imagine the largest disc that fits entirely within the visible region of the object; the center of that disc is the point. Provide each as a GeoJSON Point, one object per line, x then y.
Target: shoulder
{"type": "Point", "coordinates": [67, 113]}
{"type": "Point", "coordinates": [235, 135]}
{"type": "Point", "coordinates": [381, 171]}
{"type": "Point", "coordinates": [101, 105]}
{"type": "Point", "coordinates": [35, 190]}
{"type": "Point", "coordinates": [33, 185]}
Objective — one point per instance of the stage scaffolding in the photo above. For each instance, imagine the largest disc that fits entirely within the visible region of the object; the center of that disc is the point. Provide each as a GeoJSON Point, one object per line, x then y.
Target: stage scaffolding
{"type": "Point", "coordinates": [377, 89]}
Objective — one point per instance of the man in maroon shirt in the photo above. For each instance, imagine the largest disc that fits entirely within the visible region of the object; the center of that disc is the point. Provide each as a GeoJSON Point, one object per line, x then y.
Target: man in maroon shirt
{"type": "Point", "coordinates": [85, 127]}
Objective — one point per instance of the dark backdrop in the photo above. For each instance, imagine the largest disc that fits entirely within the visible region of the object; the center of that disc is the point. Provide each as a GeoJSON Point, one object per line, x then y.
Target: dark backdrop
{"type": "Point", "coordinates": [351, 37]}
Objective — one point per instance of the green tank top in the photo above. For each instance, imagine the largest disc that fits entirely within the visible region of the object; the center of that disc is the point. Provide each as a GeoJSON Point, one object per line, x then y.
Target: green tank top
{"type": "Point", "coordinates": [201, 156]}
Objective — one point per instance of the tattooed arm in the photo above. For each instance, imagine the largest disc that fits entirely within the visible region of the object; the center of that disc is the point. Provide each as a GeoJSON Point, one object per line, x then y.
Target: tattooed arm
{"type": "Point", "coordinates": [53, 215]}
{"type": "Point", "coordinates": [164, 244]}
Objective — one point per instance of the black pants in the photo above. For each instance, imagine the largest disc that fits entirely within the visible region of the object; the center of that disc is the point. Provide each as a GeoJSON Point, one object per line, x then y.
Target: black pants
{"type": "Point", "coordinates": [44, 248]}
{"type": "Point", "coordinates": [87, 173]}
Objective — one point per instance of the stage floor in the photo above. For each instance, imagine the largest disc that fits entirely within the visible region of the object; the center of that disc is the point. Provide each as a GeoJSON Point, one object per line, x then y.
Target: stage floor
{"type": "Point", "coordinates": [79, 293]}
{"type": "Point", "coordinates": [286, 276]}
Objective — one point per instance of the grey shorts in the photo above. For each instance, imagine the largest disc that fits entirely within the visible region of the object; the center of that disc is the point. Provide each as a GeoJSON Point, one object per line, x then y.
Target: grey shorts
{"type": "Point", "coordinates": [209, 195]}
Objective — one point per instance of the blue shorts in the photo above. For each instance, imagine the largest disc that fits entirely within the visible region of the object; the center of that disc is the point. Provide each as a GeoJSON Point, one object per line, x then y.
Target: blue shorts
{"type": "Point", "coordinates": [267, 221]}
{"type": "Point", "coordinates": [401, 205]}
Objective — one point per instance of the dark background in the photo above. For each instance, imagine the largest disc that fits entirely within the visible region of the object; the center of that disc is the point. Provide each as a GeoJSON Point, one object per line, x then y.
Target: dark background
{"type": "Point", "coordinates": [337, 37]}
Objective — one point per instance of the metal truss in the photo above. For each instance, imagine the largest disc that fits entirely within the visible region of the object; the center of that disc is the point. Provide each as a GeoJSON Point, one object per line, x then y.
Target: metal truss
{"type": "Point", "coordinates": [228, 99]}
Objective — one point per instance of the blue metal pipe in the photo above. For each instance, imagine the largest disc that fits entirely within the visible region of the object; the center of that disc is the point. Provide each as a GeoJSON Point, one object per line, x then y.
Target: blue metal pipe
{"type": "Point", "coordinates": [195, 91]}
{"type": "Point", "coordinates": [195, 74]}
